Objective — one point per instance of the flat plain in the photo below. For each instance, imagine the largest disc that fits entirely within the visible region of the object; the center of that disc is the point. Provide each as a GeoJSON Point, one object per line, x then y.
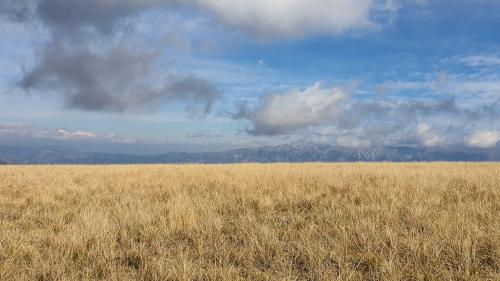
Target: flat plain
{"type": "Point", "coordinates": [377, 221]}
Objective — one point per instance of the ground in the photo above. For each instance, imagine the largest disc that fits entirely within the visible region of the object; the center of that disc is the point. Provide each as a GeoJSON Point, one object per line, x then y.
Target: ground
{"type": "Point", "coordinates": [380, 221]}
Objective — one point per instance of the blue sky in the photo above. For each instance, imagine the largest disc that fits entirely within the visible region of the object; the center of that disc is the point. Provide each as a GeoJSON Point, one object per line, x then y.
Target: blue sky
{"type": "Point", "coordinates": [198, 75]}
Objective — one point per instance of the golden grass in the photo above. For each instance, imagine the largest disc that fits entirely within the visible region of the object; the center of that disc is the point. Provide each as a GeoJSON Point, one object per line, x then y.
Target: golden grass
{"type": "Point", "coordinates": [423, 221]}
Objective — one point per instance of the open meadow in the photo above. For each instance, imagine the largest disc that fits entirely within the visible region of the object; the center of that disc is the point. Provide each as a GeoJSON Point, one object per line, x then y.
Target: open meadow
{"type": "Point", "coordinates": [380, 221]}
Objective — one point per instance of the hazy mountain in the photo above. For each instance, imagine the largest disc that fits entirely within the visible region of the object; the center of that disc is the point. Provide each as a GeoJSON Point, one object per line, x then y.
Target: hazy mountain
{"type": "Point", "coordinates": [266, 154]}
{"type": "Point", "coordinates": [39, 155]}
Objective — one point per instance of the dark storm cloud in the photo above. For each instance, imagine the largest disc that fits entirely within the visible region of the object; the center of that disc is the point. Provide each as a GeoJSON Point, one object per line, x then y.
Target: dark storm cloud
{"type": "Point", "coordinates": [118, 80]}
{"type": "Point", "coordinates": [116, 77]}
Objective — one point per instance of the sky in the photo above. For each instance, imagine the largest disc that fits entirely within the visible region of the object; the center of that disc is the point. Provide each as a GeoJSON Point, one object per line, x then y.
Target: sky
{"type": "Point", "coordinates": [150, 76]}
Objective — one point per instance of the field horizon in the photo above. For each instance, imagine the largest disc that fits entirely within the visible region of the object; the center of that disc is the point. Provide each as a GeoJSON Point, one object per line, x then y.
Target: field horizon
{"type": "Point", "coordinates": [307, 221]}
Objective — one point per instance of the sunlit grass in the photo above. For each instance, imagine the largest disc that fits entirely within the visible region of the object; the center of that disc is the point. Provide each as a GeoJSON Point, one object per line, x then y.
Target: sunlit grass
{"type": "Point", "coordinates": [422, 221]}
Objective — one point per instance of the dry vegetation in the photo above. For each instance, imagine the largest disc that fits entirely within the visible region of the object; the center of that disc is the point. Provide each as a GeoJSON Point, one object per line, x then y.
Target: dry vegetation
{"type": "Point", "coordinates": [251, 222]}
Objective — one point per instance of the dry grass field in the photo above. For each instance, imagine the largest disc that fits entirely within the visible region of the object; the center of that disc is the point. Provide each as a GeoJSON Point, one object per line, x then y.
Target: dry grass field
{"type": "Point", "coordinates": [437, 221]}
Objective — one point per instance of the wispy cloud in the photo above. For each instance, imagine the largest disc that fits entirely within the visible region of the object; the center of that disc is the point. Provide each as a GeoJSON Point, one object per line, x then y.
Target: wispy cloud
{"type": "Point", "coordinates": [114, 138]}
{"type": "Point", "coordinates": [480, 60]}
{"type": "Point", "coordinates": [203, 134]}
{"type": "Point", "coordinates": [21, 131]}
{"type": "Point", "coordinates": [65, 135]}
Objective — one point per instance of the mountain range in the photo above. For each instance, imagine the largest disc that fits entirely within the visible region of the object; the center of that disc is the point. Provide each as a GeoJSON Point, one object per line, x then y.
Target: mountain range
{"type": "Point", "coordinates": [265, 154]}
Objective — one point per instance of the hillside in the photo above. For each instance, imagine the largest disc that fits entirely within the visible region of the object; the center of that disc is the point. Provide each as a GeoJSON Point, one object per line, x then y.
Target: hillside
{"type": "Point", "coordinates": [266, 154]}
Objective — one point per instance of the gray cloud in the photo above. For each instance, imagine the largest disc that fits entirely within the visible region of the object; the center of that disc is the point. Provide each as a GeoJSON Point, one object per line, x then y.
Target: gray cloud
{"type": "Point", "coordinates": [102, 15]}
{"type": "Point", "coordinates": [391, 122]}
{"type": "Point", "coordinates": [118, 80]}
{"type": "Point", "coordinates": [93, 72]}
{"type": "Point", "coordinates": [16, 10]}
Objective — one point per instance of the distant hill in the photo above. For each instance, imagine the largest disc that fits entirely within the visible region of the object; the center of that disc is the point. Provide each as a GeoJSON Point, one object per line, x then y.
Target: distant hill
{"type": "Point", "coordinates": [266, 154]}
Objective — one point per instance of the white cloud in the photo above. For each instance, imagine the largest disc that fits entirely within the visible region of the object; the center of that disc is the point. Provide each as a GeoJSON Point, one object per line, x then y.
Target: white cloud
{"type": "Point", "coordinates": [429, 137]}
{"type": "Point", "coordinates": [292, 18]}
{"type": "Point", "coordinates": [483, 139]}
{"type": "Point", "coordinates": [63, 134]}
{"type": "Point", "coordinates": [294, 110]}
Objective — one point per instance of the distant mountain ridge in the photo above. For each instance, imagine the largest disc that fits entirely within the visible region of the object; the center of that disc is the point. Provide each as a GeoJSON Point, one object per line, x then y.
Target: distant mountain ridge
{"type": "Point", "coordinates": [265, 154]}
